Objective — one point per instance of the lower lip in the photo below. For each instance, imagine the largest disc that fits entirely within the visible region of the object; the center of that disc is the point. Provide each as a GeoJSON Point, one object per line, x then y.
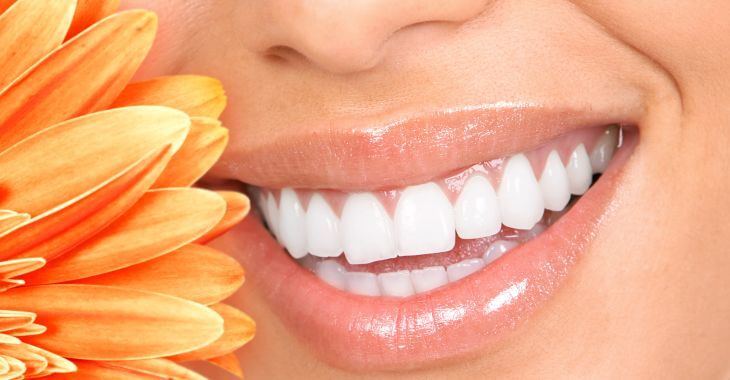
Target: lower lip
{"type": "Point", "coordinates": [379, 333]}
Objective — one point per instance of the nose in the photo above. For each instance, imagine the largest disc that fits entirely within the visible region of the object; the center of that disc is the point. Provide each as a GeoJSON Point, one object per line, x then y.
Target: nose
{"type": "Point", "coordinates": [344, 36]}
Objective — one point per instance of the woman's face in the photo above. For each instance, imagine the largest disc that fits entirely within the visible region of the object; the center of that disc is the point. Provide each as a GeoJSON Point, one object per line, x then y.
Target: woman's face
{"type": "Point", "coordinates": [361, 101]}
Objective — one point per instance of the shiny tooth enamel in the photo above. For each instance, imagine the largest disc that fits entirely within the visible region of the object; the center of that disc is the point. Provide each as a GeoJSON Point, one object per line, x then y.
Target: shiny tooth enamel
{"type": "Point", "coordinates": [457, 271]}
{"type": "Point", "coordinates": [603, 150]}
{"type": "Point", "coordinates": [332, 273]}
{"type": "Point", "coordinates": [362, 283]}
{"type": "Point", "coordinates": [554, 183]}
{"type": "Point", "coordinates": [497, 249]}
{"type": "Point", "coordinates": [292, 223]}
{"type": "Point", "coordinates": [580, 173]}
{"type": "Point", "coordinates": [396, 284]}
{"type": "Point", "coordinates": [272, 215]}
{"type": "Point", "coordinates": [323, 228]}
{"type": "Point", "coordinates": [366, 230]}
{"type": "Point", "coordinates": [476, 212]}
{"type": "Point", "coordinates": [428, 278]}
{"type": "Point", "coordinates": [424, 221]}
{"type": "Point", "coordinates": [520, 199]}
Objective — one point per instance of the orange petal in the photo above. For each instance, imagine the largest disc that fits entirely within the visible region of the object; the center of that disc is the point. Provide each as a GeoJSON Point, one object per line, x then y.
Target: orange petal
{"type": "Point", "coordinates": [215, 275]}
{"type": "Point", "coordinates": [5, 4]}
{"type": "Point", "coordinates": [54, 363]}
{"type": "Point", "coordinates": [11, 320]}
{"type": "Point", "coordinates": [54, 233]}
{"type": "Point", "coordinates": [160, 222]}
{"type": "Point", "coordinates": [31, 329]}
{"type": "Point", "coordinates": [196, 95]}
{"type": "Point", "coordinates": [161, 367]}
{"type": "Point", "coordinates": [230, 363]}
{"type": "Point", "coordinates": [16, 368]}
{"type": "Point", "coordinates": [202, 148]}
{"type": "Point", "coordinates": [88, 370]}
{"type": "Point", "coordinates": [19, 267]}
{"type": "Point", "coordinates": [11, 221]}
{"type": "Point", "coordinates": [90, 11]}
{"type": "Point", "coordinates": [28, 31]}
{"type": "Point", "coordinates": [34, 362]}
{"type": "Point", "coordinates": [239, 330]}
{"type": "Point", "coordinates": [83, 76]}
{"type": "Point", "coordinates": [8, 339]}
{"type": "Point", "coordinates": [238, 206]}
{"type": "Point", "coordinates": [106, 323]}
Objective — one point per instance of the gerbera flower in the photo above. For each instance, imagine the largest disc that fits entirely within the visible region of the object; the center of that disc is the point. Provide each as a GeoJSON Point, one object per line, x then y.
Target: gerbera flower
{"type": "Point", "coordinates": [103, 271]}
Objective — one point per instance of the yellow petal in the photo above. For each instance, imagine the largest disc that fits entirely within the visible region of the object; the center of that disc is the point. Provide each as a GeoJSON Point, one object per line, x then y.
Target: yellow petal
{"type": "Point", "coordinates": [29, 30]}
{"type": "Point", "coordinates": [89, 12]}
{"type": "Point", "coordinates": [215, 275]}
{"type": "Point", "coordinates": [34, 362]}
{"type": "Point", "coordinates": [196, 95]}
{"type": "Point", "coordinates": [54, 233]}
{"type": "Point", "coordinates": [8, 339]}
{"type": "Point", "coordinates": [160, 222]}
{"type": "Point", "coordinates": [239, 330]}
{"type": "Point", "coordinates": [230, 363]}
{"type": "Point", "coordinates": [31, 329]}
{"type": "Point", "coordinates": [54, 363]}
{"type": "Point", "coordinates": [80, 154]}
{"type": "Point", "coordinates": [82, 76]}
{"type": "Point", "coordinates": [237, 207]}
{"type": "Point", "coordinates": [16, 368]}
{"type": "Point", "coordinates": [202, 148]}
{"type": "Point", "coordinates": [106, 323]}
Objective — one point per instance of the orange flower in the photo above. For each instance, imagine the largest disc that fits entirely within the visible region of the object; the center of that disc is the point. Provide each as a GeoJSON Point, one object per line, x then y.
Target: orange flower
{"type": "Point", "coordinates": [103, 271]}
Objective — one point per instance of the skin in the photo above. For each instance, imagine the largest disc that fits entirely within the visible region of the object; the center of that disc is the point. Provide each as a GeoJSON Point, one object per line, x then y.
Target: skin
{"type": "Point", "coordinates": [651, 298]}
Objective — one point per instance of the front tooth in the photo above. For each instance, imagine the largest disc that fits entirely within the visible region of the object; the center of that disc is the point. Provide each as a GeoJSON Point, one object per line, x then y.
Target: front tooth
{"type": "Point", "coordinates": [292, 227]}
{"type": "Point", "coordinates": [332, 273]}
{"type": "Point", "coordinates": [604, 149]}
{"type": "Point", "coordinates": [424, 221]}
{"type": "Point", "coordinates": [554, 183]}
{"type": "Point", "coordinates": [520, 198]}
{"type": "Point", "coordinates": [579, 170]}
{"type": "Point", "coordinates": [396, 284]}
{"type": "Point", "coordinates": [362, 283]}
{"type": "Point", "coordinates": [272, 216]}
{"type": "Point", "coordinates": [428, 278]}
{"type": "Point", "coordinates": [367, 231]}
{"type": "Point", "coordinates": [476, 212]}
{"type": "Point", "coordinates": [323, 229]}
{"type": "Point", "coordinates": [464, 268]}
{"type": "Point", "coordinates": [497, 249]}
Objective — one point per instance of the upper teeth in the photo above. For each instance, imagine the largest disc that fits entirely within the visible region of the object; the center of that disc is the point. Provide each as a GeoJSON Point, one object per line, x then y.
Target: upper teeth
{"type": "Point", "coordinates": [425, 220]}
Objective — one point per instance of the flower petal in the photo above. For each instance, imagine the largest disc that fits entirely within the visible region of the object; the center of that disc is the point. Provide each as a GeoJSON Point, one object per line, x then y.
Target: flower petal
{"type": "Point", "coordinates": [34, 363]}
{"type": "Point", "coordinates": [194, 94]}
{"type": "Point", "coordinates": [202, 148]}
{"type": "Point", "coordinates": [238, 206]}
{"type": "Point", "coordinates": [71, 152]}
{"type": "Point", "coordinates": [11, 320]}
{"type": "Point", "coordinates": [160, 222]}
{"type": "Point", "coordinates": [82, 76]}
{"type": "Point", "coordinates": [54, 363]}
{"type": "Point", "coordinates": [31, 329]}
{"type": "Point", "coordinates": [19, 267]}
{"type": "Point", "coordinates": [164, 368]}
{"type": "Point", "coordinates": [239, 330]}
{"type": "Point", "coordinates": [29, 30]}
{"type": "Point", "coordinates": [230, 363]}
{"type": "Point", "coordinates": [90, 11]}
{"type": "Point", "coordinates": [106, 323]}
{"type": "Point", "coordinates": [54, 233]}
{"type": "Point", "coordinates": [11, 221]}
{"type": "Point", "coordinates": [215, 275]}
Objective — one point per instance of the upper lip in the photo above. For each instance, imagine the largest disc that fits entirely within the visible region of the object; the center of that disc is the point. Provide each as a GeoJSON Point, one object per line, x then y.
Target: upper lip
{"type": "Point", "coordinates": [376, 155]}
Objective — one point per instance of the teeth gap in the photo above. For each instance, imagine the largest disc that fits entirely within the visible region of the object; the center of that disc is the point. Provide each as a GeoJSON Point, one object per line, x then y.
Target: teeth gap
{"type": "Point", "coordinates": [426, 219]}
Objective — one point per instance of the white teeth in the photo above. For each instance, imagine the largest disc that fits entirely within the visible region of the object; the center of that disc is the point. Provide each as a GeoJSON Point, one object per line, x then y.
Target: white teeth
{"type": "Point", "coordinates": [604, 149]}
{"type": "Point", "coordinates": [367, 231]}
{"type": "Point", "coordinates": [497, 249]}
{"type": "Point", "coordinates": [272, 215]}
{"type": "Point", "coordinates": [464, 268]}
{"type": "Point", "coordinates": [332, 273]}
{"type": "Point", "coordinates": [476, 212]}
{"type": "Point", "coordinates": [362, 283]}
{"type": "Point", "coordinates": [292, 224]}
{"type": "Point", "coordinates": [424, 221]}
{"type": "Point", "coordinates": [323, 229]}
{"type": "Point", "coordinates": [579, 170]}
{"type": "Point", "coordinates": [554, 183]}
{"type": "Point", "coordinates": [428, 278]}
{"type": "Point", "coordinates": [520, 198]}
{"type": "Point", "coordinates": [396, 284]}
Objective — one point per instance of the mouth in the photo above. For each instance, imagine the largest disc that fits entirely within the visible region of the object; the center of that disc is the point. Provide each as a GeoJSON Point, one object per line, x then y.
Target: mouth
{"type": "Point", "coordinates": [406, 264]}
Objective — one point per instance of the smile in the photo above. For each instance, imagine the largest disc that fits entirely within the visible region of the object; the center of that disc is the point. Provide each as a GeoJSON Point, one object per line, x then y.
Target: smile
{"type": "Point", "coordinates": [433, 236]}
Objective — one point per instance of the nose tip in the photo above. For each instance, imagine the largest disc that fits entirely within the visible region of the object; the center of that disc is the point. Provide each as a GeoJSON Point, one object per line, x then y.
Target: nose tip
{"type": "Point", "coordinates": [349, 36]}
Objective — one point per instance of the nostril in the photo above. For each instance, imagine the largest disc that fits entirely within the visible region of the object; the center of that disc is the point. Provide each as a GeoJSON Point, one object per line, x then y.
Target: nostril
{"type": "Point", "coordinates": [283, 53]}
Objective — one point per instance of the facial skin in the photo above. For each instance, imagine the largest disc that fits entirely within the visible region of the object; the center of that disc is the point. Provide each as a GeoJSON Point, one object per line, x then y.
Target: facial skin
{"type": "Point", "coordinates": [650, 298]}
